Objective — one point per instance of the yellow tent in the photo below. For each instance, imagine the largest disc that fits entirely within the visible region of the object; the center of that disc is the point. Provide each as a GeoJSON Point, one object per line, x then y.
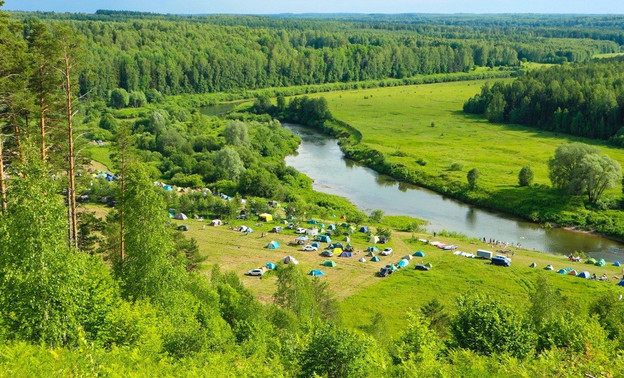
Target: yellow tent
{"type": "Point", "coordinates": [266, 217]}
{"type": "Point", "coordinates": [337, 251]}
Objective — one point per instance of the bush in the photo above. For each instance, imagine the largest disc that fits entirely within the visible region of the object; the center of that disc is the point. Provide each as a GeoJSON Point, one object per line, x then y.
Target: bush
{"type": "Point", "coordinates": [525, 177]}
{"type": "Point", "coordinates": [456, 167]}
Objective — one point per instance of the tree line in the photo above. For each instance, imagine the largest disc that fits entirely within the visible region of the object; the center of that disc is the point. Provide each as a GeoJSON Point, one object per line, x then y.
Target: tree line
{"type": "Point", "coordinates": [175, 54]}
{"type": "Point", "coordinates": [583, 100]}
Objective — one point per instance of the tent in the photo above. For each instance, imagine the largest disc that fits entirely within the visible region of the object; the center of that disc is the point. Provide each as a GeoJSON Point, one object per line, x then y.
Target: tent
{"type": "Point", "coordinates": [273, 245]}
{"type": "Point", "coordinates": [312, 221]}
{"type": "Point", "coordinates": [335, 245]}
{"type": "Point", "coordinates": [249, 230]}
{"type": "Point", "coordinates": [270, 265]}
{"type": "Point", "coordinates": [362, 259]}
{"type": "Point", "coordinates": [183, 228]}
{"type": "Point", "coordinates": [374, 239]}
{"type": "Point", "coordinates": [243, 228]}
{"type": "Point", "coordinates": [428, 265]}
{"type": "Point", "coordinates": [322, 225]}
{"type": "Point", "coordinates": [345, 254]}
{"type": "Point", "coordinates": [290, 260]}
{"type": "Point", "coordinates": [408, 257]}
{"type": "Point", "coordinates": [562, 271]}
{"type": "Point", "coordinates": [337, 251]}
{"type": "Point", "coordinates": [591, 261]}
{"type": "Point", "coordinates": [323, 238]}
{"type": "Point", "coordinates": [421, 267]}
{"type": "Point", "coordinates": [533, 265]}
{"type": "Point", "coordinates": [316, 244]}
{"type": "Point", "coordinates": [403, 263]}
{"type": "Point", "coordinates": [181, 216]}
{"type": "Point", "coordinates": [568, 270]}
{"type": "Point", "coordinates": [584, 274]}
{"type": "Point", "coordinates": [617, 263]}
{"type": "Point", "coordinates": [265, 217]}
{"type": "Point", "coordinates": [316, 272]}
{"type": "Point", "coordinates": [329, 263]}
{"type": "Point", "coordinates": [216, 222]}
{"type": "Point", "coordinates": [346, 239]}
{"type": "Point", "coordinates": [419, 254]}
{"type": "Point", "coordinates": [312, 231]}
{"type": "Point", "coordinates": [375, 259]}
{"type": "Point", "coordinates": [348, 247]}
{"type": "Point", "coordinates": [167, 188]}
{"type": "Point", "coordinates": [601, 262]}
{"type": "Point", "coordinates": [621, 283]}
{"type": "Point", "coordinates": [345, 225]}
{"type": "Point", "coordinates": [549, 267]}
{"type": "Point", "coordinates": [372, 249]}
{"type": "Point", "coordinates": [573, 273]}
{"type": "Point", "coordinates": [364, 229]}
{"type": "Point", "coordinates": [331, 227]}
{"type": "Point", "coordinates": [392, 267]}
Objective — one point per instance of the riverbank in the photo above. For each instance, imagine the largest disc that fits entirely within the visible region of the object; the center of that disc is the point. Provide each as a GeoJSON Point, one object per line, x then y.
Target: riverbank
{"type": "Point", "coordinates": [419, 135]}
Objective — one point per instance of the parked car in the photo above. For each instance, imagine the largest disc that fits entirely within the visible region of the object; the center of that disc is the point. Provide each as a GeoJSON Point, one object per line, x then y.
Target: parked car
{"type": "Point", "coordinates": [386, 252]}
{"type": "Point", "coordinates": [255, 272]}
{"type": "Point", "coordinates": [277, 229]}
{"type": "Point", "coordinates": [290, 226]}
{"type": "Point", "coordinates": [309, 248]}
{"type": "Point", "coordinates": [501, 260]}
{"type": "Point", "coordinates": [300, 230]}
{"type": "Point", "coordinates": [383, 240]}
{"type": "Point", "coordinates": [327, 254]}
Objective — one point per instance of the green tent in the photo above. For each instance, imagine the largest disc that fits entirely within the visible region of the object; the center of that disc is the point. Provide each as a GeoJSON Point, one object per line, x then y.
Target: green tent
{"type": "Point", "coordinates": [312, 221]}
{"type": "Point", "coordinates": [330, 263]}
{"type": "Point", "coordinates": [591, 261]}
{"type": "Point", "coordinates": [323, 238]}
{"type": "Point", "coordinates": [601, 262]}
{"type": "Point", "coordinates": [372, 249]}
{"type": "Point", "coordinates": [393, 268]}
{"type": "Point", "coordinates": [375, 259]}
{"type": "Point", "coordinates": [428, 265]}
{"type": "Point", "coordinates": [346, 239]}
{"type": "Point", "coordinates": [419, 254]}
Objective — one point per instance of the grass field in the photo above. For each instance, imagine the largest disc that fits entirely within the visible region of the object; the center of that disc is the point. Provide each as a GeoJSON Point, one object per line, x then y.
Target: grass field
{"type": "Point", "coordinates": [361, 294]}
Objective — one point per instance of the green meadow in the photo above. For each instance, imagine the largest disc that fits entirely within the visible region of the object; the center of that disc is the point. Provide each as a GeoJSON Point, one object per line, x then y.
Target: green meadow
{"type": "Point", "coordinates": [423, 128]}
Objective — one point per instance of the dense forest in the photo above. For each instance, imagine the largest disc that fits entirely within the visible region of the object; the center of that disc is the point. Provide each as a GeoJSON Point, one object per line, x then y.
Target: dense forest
{"type": "Point", "coordinates": [584, 100]}
{"type": "Point", "coordinates": [198, 54]}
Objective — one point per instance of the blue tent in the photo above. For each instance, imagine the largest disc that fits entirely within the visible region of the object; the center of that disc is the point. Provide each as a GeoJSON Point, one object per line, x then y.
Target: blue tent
{"type": "Point", "coordinates": [312, 221]}
{"type": "Point", "coordinates": [273, 245]}
{"type": "Point", "coordinates": [372, 249]}
{"type": "Point", "coordinates": [316, 272]}
{"type": "Point", "coordinates": [584, 274]}
{"type": "Point", "coordinates": [331, 227]}
{"type": "Point", "coordinates": [345, 254]}
{"type": "Point", "coordinates": [621, 283]}
{"type": "Point", "coordinates": [167, 188]}
{"type": "Point", "coordinates": [364, 229]}
{"type": "Point", "coordinates": [270, 265]}
{"type": "Point", "coordinates": [562, 271]}
{"type": "Point", "coordinates": [316, 244]}
{"type": "Point", "coordinates": [549, 267]}
{"type": "Point", "coordinates": [375, 259]}
{"type": "Point", "coordinates": [322, 225]}
{"type": "Point", "coordinates": [617, 263]}
{"type": "Point", "coordinates": [403, 263]}
{"type": "Point", "coordinates": [419, 254]}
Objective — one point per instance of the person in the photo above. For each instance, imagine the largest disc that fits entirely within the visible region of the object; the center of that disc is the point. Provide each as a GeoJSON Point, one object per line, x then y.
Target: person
{"type": "Point", "coordinates": [593, 276]}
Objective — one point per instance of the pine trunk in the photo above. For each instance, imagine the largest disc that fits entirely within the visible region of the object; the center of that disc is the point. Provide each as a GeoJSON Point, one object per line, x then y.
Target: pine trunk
{"type": "Point", "coordinates": [71, 192]}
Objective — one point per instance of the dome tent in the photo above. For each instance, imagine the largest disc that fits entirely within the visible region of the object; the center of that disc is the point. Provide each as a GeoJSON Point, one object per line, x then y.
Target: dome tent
{"type": "Point", "coordinates": [419, 254]}
{"type": "Point", "coordinates": [316, 272]}
{"type": "Point", "coordinates": [273, 245]}
{"type": "Point", "coordinates": [270, 265]}
{"type": "Point", "coordinates": [584, 274]}
{"type": "Point", "coordinates": [290, 260]}
{"type": "Point", "coordinates": [374, 259]}
{"type": "Point", "coordinates": [329, 263]}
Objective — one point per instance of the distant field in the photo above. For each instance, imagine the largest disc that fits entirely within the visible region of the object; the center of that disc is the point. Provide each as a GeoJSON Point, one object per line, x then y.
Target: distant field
{"type": "Point", "coordinates": [611, 55]}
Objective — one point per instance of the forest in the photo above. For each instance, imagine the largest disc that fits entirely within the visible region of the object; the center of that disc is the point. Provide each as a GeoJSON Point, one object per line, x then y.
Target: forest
{"type": "Point", "coordinates": [583, 100]}
{"type": "Point", "coordinates": [123, 295]}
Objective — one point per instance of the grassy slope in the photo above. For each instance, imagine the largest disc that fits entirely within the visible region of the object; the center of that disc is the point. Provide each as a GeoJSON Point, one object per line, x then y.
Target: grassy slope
{"type": "Point", "coordinates": [397, 121]}
{"type": "Point", "coordinates": [362, 294]}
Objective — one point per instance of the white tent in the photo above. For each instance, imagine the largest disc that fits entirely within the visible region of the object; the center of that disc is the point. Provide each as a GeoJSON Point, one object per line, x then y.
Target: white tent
{"type": "Point", "coordinates": [216, 222]}
{"type": "Point", "coordinates": [290, 260]}
{"type": "Point", "coordinates": [362, 259]}
{"type": "Point", "coordinates": [312, 231]}
{"type": "Point", "coordinates": [408, 257]}
{"type": "Point", "coordinates": [181, 216]}
{"type": "Point", "coordinates": [374, 239]}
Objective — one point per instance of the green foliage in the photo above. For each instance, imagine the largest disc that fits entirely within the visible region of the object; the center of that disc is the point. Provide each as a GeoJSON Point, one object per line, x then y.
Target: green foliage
{"type": "Point", "coordinates": [525, 176]}
{"type": "Point", "coordinates": [486, 327]}
{"type": "Point", "coordinates": [376, 216]}
{"type": "Point", "coordinates": [336, 352]}
{"type": "Point", "coordinates": [473, 177]}
{"type": "Point", "coordinates": [418, 343]}
{"type": "Point", "coordinates": [137, 99]}
{"type": "Point", "coordinates": [119, 98]}
{"type": "Point", "coordinates": [437, 317]}
{"type": "Point", "coordinates": [236, 134]}
{"type": "Point", "coordinates": [229, 164]}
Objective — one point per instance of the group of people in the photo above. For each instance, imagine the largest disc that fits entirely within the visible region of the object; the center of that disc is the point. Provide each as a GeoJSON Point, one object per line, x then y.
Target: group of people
{"type": "Point", "coordinates": [571, 257]}
{"type": "Point", "coordinates": [496, 242]}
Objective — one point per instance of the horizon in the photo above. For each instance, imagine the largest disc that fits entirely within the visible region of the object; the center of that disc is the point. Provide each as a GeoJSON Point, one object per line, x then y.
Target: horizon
{"type": "Point", "coordinates": [326, 7]}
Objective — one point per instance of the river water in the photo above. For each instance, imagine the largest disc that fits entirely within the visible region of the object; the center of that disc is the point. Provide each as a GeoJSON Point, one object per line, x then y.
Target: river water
{"type": "Point", "coordinates": [320, 158]}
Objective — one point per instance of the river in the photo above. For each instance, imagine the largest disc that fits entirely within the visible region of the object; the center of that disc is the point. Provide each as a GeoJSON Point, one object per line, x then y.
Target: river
{"type": "Point", "coordinates": [320, 158]}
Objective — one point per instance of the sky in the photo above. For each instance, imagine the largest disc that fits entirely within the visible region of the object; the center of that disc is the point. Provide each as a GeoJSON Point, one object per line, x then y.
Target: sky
{"type": "Point", "coordinates": [324, 6]}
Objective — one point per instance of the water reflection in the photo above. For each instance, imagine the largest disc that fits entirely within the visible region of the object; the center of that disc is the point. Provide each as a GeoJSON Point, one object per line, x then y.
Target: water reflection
{"type": "Point", "coordinates": [320, 158]}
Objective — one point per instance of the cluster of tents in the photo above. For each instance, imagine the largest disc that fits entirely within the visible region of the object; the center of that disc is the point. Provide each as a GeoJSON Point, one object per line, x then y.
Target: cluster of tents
{"type": "Point", "coordinates": [583, 274]}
